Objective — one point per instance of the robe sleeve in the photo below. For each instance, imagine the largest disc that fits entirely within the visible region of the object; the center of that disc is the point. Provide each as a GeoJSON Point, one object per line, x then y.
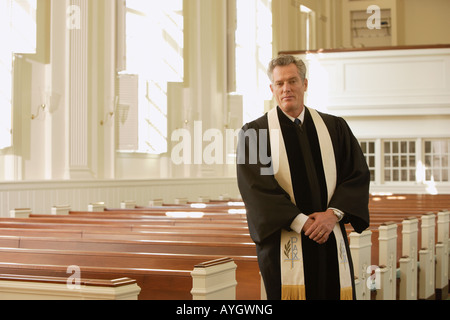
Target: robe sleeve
{"type": "Point", "coordinates": [353, 178]}
{"type": "Point", "coordinates": [269, 208]}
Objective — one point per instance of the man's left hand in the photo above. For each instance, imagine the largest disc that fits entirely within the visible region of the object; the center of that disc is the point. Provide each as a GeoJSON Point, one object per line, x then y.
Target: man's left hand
{"type": "Point", "coordinates": [319, 226]}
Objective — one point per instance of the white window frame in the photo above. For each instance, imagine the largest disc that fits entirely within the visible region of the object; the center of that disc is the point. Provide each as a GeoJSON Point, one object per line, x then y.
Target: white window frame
{"type": "Point", "coordinates": [366, 151]}
{"type": "Point", "coordinates": [396, 161]}
{"type": "Point", "coordinates": [430, 167]}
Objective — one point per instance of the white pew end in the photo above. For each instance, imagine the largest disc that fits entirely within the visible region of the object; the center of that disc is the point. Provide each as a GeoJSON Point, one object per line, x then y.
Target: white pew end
{"type": "Point", "coordinates": [128, 204]}
{"type": "Point", "coordinates": [360, 248]}
{"type": "Point", "coordinates": [181, 200]}
{"type": "Point", "coordinates": [408, 279]}
{"type": "Point", "coordinates": [214, 280]}
{"type": "Point", "coordinates": [428, 228]}
{"type": "Point", "coordinates": [62, 210]}
{"type": "Point", "coordinates": [22, 287]}
{"type": "Point", "coordinates": [388, 257]}
{"type": "Point", "coordinates": [96, 207]}
{"type": "Point", "coordinates": [384, 277]}
{"type": "Point", "coordinates": [20, 213]}
{"type": "Point", "coordinates": [426, 274]}
{"type": "Point", "coordinates": [410, 229]}
{"type": "Point", "coordinates": [442, 251]}
{"type": "Point", "coordinates": [156, 203]}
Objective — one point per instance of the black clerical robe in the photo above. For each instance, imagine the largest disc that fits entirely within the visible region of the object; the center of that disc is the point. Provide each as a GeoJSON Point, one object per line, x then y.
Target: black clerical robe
{"type": "Point", "coordinates": [270, 209]}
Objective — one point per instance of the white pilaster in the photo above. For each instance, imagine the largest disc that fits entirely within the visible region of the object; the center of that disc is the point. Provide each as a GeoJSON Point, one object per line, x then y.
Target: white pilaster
{"type": "Point", "coordinates": [77, 87]}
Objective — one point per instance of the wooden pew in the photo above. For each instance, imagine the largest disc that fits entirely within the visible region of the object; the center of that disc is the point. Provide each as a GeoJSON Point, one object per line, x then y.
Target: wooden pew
{"type": "Point", "coordinates": [155, 284]}
{"type": "Point", "coordinates": [153, 272]}
{"type": "Point", "coordinates": [153, 246]}
{"type": "Point", "coordinates": [27, 287]}
{"type": "Point", "coordinates": [147, 235]}
{"type": "Point", "coordinates": [64, 222]}
{"type": "Point", "coordinates": [150, 215]}
{"type": "Point", "coordinates": [131, 222]}
{"type": "Point", "coordinates": [403, 213]}
{"type": "Point", "coordinates": [95, 226]}
{"type": "Point", "coordinates": [381, 215]}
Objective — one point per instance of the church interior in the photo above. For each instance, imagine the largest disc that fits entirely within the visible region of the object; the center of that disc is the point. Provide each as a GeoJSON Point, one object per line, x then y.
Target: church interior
{"type": "Point", "coordinates": [131, 108]}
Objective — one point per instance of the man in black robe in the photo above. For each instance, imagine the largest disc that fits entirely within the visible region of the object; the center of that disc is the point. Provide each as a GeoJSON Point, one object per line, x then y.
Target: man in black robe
{"type": "Point", "coordinates": [314, 208]}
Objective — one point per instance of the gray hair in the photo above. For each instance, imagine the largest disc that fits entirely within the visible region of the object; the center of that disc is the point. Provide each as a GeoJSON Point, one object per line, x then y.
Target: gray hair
{"type": "Point", "coordinates": [285, 60]}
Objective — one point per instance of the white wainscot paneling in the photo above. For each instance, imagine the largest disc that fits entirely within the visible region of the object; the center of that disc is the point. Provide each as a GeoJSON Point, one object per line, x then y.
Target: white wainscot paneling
{"type": "Point", "coordinates": [41, 196]}
{"type": "Point", "coordinates": [381, 82]}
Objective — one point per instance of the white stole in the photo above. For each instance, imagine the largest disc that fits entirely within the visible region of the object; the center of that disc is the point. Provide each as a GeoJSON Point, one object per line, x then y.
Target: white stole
{"type": "Point", "coordinates": [292, 274]}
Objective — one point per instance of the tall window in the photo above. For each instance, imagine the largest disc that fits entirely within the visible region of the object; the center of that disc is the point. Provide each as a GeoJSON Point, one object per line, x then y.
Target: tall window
{"type": "Point", "coordinates": [437, 155]}
{"type": "Point", "coordinates": [154, 53]}
{"type": "Point", "coordinates": [17, 35]}
{"type": "Point", "coordinates": [309, 21]}
{"type": "Point", "coordinates": [368, 148]}
{"type": "Point", "coordinates": [400, 161]}
{"type": "Point", "coordinates": [253, 53]}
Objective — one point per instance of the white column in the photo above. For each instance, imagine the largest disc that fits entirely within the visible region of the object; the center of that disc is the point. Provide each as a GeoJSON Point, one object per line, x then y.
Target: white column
{"type": "Point", "coordinates": [106, 13]}
{"type": "Point", "coordinates": [206, 80]}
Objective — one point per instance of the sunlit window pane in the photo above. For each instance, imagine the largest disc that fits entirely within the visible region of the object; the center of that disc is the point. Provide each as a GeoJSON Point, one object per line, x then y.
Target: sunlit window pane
{"type": "Point", "coordinates": [155, 53]}
{"type": "Point", "coordinates": [253, 53]}
{"type": "Point", "coordinates": [436, 160]}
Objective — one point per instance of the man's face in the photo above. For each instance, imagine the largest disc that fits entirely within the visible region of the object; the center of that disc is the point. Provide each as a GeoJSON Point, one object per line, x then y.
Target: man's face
{"type": "Point", "coordinates": [289, 89]}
